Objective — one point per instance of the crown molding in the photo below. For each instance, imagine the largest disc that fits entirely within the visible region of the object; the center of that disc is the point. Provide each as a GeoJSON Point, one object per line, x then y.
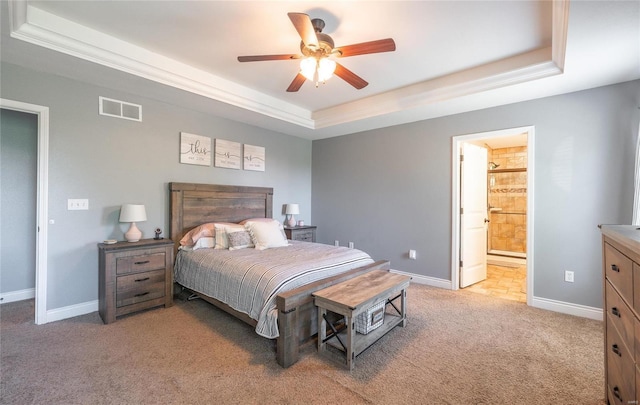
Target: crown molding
{"type": "Point", "coordinates": [33, 25]}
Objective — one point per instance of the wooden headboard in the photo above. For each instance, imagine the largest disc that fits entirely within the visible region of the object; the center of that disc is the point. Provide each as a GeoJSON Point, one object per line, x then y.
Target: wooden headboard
{"type": "Point", "coordinates": [195, 204]}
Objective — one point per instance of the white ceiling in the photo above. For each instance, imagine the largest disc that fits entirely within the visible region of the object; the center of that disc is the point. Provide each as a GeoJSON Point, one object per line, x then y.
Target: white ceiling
{"type": "Point", "coordinates": [451, 56]}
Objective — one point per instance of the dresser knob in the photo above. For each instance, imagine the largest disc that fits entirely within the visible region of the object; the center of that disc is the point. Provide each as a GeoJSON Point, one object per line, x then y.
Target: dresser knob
{"type": "Point", "coordinates": [615, 268]}
{"type": "Point", "coordinates": [616, 350]}
{"type": "Point", "coordinates": [616, 393]}
{"type": "Point", "coordinates": [615, 311]}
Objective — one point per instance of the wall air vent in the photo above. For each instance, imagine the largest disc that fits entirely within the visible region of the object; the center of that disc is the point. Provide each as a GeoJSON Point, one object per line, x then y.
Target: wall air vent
{"type": "Point", "coordinates": [120, 109]}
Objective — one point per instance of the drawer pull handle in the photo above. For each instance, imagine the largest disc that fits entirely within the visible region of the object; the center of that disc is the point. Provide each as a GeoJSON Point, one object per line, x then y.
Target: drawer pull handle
{"type": "Point", "coordinates": [142, 279]}
{"type": "Point", "coordinates": [615, 311]}
{"type": "Point", "coordinates": [616, 350]}
{"type": "Point", "coordinates": [615, 268]}
{"type": "Point", "coordinates": [143, 262]}
{"type": "Point", "coordinates": [142, 294]}
{"type": "Point", "coordinates": [616, 393]}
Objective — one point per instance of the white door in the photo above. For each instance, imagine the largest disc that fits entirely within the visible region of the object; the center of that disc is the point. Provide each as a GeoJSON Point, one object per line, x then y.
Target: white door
{"type": "Point", "coordinates": [473, 218]}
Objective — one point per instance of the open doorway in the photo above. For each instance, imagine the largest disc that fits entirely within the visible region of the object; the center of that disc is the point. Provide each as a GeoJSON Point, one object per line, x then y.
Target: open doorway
{"type": "Point", "coordinates": [42, 114]}
{"type": "Point", "coordinates": [507, 244]}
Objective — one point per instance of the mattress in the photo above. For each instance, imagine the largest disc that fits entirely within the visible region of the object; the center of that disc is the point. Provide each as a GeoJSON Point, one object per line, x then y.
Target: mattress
{"type": "Point", "coordinates": [248, 280]}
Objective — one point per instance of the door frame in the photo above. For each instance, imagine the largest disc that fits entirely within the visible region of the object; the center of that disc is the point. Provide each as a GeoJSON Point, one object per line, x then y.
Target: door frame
{"type": "Point", "coordinates": [455, 200]}
{"type": "Point", "coordinates": [42, 113]}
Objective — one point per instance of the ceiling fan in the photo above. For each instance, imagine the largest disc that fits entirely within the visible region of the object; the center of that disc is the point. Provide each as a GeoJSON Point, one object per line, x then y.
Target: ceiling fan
{"type": "Point", "coordinates": [317, 48]}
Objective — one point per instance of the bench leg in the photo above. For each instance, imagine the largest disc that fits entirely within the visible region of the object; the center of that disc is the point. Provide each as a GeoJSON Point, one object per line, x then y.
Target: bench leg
{"type": "Point", "coordinates": [351, 337]}
{"type": "Point", "coordinates": [322, 329]}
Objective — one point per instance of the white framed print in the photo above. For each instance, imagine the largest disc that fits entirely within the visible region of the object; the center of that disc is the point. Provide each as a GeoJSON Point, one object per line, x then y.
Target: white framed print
{"type": "Point", "coordinates": [227, 154]}
{"type": "Point", "coordinates": [254, 158]}
{"type": "Point", "coordinates": [195, 149]}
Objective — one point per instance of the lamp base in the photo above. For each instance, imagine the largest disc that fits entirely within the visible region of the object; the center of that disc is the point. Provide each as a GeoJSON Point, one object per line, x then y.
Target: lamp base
{"type": "Point", "coordinates": [291, 222]}
{"type": "Point", "coordinates": [133, 234]}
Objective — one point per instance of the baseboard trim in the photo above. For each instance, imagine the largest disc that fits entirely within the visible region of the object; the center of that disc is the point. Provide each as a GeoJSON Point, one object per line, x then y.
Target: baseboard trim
{"type": "Point", "coordinates": [568, 308]}
{"type": "Point", "coordinates": [19, 295]}
{"type": "Point", "coordinates": [70, 311]}
{"type": "Point", "coordinates": [432, 281]}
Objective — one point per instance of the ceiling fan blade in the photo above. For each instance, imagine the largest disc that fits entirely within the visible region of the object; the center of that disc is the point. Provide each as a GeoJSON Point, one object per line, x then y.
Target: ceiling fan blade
{"type": "Point", "coordinates": [297, 82]}
{"type": "Point", "coordinates": [303, 25]}
{"type": "Point", "coordinates": [381, 45]}
{"type": "Point", "coordinates": [350, 77]}
{"type": "Point", "coordinates": [259, 58]}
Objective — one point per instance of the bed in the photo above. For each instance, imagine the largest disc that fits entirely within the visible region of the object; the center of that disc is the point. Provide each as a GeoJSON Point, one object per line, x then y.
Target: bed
{"type": "Point", "coordinates": [194, 204]}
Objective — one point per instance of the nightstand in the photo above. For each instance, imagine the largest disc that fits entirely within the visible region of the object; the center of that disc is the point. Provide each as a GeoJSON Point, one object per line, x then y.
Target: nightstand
{"type": "Point", "coordinates": [305, 233]}
{"type": "Point", "coordinates": [134, 276]}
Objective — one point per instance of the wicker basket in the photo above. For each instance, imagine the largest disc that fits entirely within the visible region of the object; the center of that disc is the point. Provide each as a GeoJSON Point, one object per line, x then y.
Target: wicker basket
{"type": "Point", "coordinates": [371, 319]}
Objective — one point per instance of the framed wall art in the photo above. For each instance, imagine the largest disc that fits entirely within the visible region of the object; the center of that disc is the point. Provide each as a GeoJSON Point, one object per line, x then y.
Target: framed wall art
{"type": "Point", "coordinates": [227, 154]}
{"type": "Point", "coordinates": [254, 158]}
{"type": "Point", "coordinates": [195, 149]}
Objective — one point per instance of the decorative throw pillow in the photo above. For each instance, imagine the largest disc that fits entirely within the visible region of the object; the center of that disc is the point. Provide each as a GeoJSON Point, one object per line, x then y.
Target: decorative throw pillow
{"type": "Point", "coordinates": [239, 240]}
{"type": "Point", "coordinates": [266, 235]}
{"type": "Point", "coordinates": [222, 228]}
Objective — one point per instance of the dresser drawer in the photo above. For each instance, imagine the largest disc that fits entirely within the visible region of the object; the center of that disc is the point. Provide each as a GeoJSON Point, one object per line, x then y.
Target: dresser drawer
{"type": "Point", "coordinates": [619, 271]}
{"type": "Point", "coordinates": [140, 287]}
{"type": "Point", "coordinates": [636, 323]}
{"type": "Point", "coordinates": [621, 368]}
{"type": "Point", "coordinates": [620, 315]}
{"type": "Point", "coordinates": [137, 263]}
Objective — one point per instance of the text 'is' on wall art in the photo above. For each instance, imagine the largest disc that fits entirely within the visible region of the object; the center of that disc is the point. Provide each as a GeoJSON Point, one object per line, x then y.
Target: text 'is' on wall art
{"type": "Point", "coordinates": [195, 149]}
{"type": "Point", "coordinates": [254, 158]}
{"type": "Point", "coordinates": [227, 154]}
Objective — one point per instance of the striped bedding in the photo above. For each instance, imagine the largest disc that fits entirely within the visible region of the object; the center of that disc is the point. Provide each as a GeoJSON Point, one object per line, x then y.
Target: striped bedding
{"type": "Point", "coordinates": [248, 280]}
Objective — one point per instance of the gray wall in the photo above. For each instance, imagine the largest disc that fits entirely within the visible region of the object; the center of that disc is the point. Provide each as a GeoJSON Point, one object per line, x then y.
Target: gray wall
{"type": "Point", "coordinates": [113, 161]}
{"type": "Point", "coordinates": [389, 190]}
{"type": "Point", "coordinates": [18, 191]}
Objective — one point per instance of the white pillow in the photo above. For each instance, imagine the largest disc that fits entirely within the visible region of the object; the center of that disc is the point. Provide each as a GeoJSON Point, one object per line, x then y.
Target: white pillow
{"type": "Point", "coordinates": [266, 235]}
{"type": "Point", "coordinates": [206, 242]}
{"type": "Point", "coordinates": [222, 242]}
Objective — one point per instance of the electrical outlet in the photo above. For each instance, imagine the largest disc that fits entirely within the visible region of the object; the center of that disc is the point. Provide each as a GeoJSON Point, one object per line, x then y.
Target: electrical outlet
{"type": "Point", "coordinates": [568, 276]}
{"type": "Point", "coordinates": [77, 204]}
{"type": "Point", "coordinates": [336, 243]}
{"type": "Point", "coordinates": [412, 254]}
{"type": "Point", "coordinates": [350, 245]}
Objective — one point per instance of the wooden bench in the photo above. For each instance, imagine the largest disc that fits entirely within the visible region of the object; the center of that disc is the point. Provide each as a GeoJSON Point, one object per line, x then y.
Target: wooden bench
{"type": "Point", "coordinates": [354, 297]}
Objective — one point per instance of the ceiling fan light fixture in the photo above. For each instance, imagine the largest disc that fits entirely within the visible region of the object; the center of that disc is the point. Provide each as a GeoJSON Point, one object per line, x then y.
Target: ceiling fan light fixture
{"type": "Point", "coordinates": [326, 67]}
{"type": "Point", "coordinates": [308, 67]}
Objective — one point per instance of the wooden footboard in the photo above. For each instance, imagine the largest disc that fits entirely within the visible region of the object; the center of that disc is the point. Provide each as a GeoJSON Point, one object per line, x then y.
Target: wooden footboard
{"type": "Point", "coordinates": [297, 316]}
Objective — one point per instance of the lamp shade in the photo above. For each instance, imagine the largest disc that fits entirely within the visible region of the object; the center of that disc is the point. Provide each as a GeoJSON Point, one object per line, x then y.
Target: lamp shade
{"type": "Point", "coordinates": [133, 213]}
{"type": "Point", "coordinates": [292, 209]}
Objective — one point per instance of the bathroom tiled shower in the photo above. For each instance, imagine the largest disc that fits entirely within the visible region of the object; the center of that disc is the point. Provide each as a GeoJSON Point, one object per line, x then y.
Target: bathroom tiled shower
{"type": "Point", "coordinates": [507, 180]}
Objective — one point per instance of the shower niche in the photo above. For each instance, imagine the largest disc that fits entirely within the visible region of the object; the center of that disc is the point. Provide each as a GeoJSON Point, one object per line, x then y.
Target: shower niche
{"type": "Point", "coordinates": [507, 198]}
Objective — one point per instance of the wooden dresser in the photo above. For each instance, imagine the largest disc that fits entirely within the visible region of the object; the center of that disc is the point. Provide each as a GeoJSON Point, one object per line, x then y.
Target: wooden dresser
{"type": "Point", "coordinates": [134, 276]}
{"type": "Point", "coordinates": [621, 262]}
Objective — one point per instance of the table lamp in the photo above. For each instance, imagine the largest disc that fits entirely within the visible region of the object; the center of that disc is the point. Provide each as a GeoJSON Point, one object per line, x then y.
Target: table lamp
{"type": "Point", "coordinates": [133, 213]}
{"type": "Point", "coordinates": [290, 211]}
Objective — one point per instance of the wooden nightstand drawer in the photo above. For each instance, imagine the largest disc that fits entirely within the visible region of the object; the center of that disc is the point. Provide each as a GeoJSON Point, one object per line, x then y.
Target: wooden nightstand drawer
{"type": "Point", "coordinates": [140, 287]}
{"type": "Point", "coordinates": [306, 236]}
{"type": "Point", "coordinates": [305, 233]}
{"type": "Point", "coordinates": [138, 263]}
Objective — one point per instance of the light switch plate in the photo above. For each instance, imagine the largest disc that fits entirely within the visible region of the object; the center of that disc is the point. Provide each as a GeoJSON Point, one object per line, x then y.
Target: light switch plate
{"type": "Point", "coordinates": [74, 204]}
